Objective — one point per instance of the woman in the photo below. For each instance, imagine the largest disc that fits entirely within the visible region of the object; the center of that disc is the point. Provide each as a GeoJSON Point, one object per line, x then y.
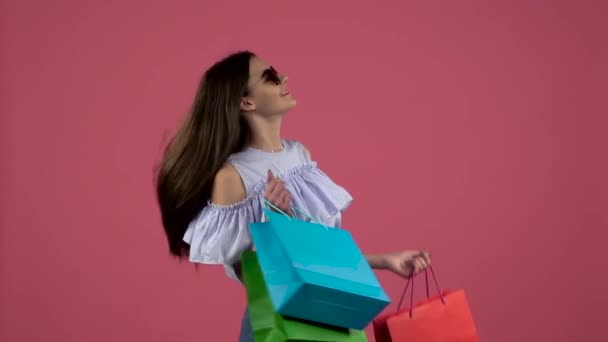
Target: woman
{"type": "Point", "coordinates": [221, 165]}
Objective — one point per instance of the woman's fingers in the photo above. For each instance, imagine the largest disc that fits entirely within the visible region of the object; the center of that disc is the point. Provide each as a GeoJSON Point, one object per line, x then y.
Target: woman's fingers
{"type": "Point", "coordinates": [427, 258]}
{"type": "Point", "coordinates": [276, 192]}
{"type": "Point", "coordinates": [284, 200]}
{"type": "Point", "coordinates": [270, 176]}
{"type": "Point", "coordinates": [279, 189]}
{"type": "Point", "coordinates": [271, 186]}
{"type": "Point", "coordinates": [416, 264]}
{"type": "Point", "coordinates": [419, 264]}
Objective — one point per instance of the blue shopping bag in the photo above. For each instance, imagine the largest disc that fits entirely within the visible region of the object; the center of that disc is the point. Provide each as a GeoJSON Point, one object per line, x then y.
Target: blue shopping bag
{"type": "Point", "coordinates": [316, 273]}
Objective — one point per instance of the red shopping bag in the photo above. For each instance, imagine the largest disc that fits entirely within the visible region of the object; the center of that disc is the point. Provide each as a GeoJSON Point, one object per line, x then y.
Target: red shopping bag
{"type": "Point", "coordinates": [445, 317]}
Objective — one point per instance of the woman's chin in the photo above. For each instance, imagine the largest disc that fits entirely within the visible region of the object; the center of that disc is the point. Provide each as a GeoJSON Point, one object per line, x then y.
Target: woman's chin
{"type": "Point", "coordinates": [292, 102]}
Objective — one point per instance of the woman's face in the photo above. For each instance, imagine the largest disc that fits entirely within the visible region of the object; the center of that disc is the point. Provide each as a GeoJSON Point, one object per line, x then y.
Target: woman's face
{"type": "Point", "coordinates": [268, 94]}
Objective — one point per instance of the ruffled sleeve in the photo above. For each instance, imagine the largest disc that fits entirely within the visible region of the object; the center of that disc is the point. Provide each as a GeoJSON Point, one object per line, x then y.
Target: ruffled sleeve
{"type": "Point", "coordinates": [219, 234]}
{"type": "Point", "coordinates": [317, 194]}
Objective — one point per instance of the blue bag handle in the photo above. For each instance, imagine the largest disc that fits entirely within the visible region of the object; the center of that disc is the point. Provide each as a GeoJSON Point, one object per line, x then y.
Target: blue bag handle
{"type": "Point", "coordinates": [267, 203]}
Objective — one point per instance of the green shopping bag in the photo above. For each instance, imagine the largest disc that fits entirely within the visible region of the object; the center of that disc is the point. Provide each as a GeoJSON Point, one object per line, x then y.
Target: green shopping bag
{"type": "Point", "coordinates": [268, 326]}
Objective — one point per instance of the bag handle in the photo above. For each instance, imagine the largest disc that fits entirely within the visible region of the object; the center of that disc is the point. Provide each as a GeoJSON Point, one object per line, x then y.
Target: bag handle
{"type": "Point", "coordinates": [428, 295]}
{"type": "Point", "coordinates": [267, 203]}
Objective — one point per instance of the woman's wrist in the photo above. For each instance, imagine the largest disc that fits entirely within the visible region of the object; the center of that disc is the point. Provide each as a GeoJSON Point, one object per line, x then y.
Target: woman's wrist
{"type": "Point", "coordinates": [376, 261]}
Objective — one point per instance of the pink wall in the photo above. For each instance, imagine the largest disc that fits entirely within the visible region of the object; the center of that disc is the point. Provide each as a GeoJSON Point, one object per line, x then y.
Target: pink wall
{"type": "Point", "coordinates": [472, 129]}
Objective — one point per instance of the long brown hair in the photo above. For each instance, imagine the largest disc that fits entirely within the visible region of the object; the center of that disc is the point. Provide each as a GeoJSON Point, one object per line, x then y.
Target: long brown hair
{"type": "Point", "coordinates": [212, 131]}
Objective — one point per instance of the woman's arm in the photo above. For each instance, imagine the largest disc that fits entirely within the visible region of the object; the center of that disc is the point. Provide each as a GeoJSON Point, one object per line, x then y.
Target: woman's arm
{"type": "Point", "coordinates": [228, 188]}
{"type": "Point", "coordinates": [376, 261]}
{"type": "Point", "coordinates": [402, 263]}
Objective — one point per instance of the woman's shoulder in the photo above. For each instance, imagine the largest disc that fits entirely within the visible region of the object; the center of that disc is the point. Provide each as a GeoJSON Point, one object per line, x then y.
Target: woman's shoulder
{"type": "Point", "coordinates": [228, 188]}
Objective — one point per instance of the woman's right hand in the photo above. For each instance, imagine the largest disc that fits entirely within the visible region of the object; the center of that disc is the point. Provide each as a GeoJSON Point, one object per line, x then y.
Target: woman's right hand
{"type": "Point", "coordinates": [277, 194]}
{"type": "Point", "coordinates": [406, 263]}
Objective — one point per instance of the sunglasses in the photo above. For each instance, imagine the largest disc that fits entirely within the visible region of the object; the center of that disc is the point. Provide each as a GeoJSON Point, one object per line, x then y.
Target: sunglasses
{"type": "Point", "coordinates": [269, 75]}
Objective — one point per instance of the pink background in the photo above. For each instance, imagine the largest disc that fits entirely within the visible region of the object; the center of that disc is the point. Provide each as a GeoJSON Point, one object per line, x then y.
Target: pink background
{"type": "Point", "coordinates": [474, 129]}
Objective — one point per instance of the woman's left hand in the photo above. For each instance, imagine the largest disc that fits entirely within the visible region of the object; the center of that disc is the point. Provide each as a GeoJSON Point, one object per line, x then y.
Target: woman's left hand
{"type": "Point", "coordinates": [276, 193]}
{"type": "Point", "coordinates": [407, 262]}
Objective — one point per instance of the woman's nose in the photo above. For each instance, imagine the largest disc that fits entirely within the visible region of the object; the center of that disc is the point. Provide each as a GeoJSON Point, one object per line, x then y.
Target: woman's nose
{"type": "Point", "coordinates": [284, 78]}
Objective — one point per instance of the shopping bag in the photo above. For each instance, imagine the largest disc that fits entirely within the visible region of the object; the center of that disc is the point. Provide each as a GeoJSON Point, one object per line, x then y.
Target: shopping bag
{"type": "Point", "coordinates": [445, 317]}
{"type": "Point", "coordinates": [269, 326]}
{"type": "Point", "coordinates": [316, 273]}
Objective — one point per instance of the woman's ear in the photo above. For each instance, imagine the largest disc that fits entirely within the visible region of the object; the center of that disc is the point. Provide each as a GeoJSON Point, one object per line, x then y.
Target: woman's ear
{"type": "Point", "coordinates": [247, 105]}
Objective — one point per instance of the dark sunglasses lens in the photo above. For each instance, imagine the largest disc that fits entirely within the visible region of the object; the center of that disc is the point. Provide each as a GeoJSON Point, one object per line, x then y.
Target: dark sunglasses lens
{"type": "Point", "coordinates": [273, 76]}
